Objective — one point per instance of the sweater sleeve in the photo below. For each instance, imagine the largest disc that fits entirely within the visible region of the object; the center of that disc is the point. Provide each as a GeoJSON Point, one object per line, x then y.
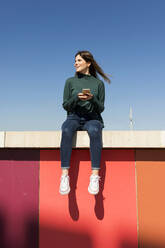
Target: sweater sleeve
{"type": "Point", "coordinates": [69, 102]}
{"type": "Point", "coordinates": [98, 102]}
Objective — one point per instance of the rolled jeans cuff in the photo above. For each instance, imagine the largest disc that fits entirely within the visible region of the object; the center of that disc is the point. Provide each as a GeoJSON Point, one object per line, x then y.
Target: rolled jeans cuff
{"type": "Point", "coordinates": [65, 165]}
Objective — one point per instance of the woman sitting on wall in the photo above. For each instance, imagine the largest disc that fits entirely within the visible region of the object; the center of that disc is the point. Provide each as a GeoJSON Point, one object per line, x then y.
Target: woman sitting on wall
{"type": "Point", "coordinates": [83, 99]}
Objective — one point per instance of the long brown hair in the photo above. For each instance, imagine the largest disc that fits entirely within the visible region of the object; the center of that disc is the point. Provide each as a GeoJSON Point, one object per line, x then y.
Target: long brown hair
{"type": "Point", "coordinates": [94, 68]}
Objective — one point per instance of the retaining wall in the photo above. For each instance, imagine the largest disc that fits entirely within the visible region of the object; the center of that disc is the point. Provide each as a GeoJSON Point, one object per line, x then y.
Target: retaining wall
{"type": "Point", "coordinates": [128, 212]}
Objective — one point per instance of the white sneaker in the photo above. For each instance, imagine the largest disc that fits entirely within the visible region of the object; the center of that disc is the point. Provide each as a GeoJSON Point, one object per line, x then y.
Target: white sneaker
{"type": "Point", "coordinates": [93, 187]}
{"type": "Point", "coordinates": [64, 185]}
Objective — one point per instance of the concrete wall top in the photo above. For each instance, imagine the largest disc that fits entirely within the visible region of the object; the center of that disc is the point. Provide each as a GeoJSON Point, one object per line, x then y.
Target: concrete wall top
{"type": "Point", "coordinates": [2, 135]}
{"type": "Point", "coordinates": [111, 139]}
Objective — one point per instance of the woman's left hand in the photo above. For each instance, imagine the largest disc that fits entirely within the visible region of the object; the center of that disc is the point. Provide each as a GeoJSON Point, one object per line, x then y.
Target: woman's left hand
{"type": "Point", "coordinates": [85, 97]}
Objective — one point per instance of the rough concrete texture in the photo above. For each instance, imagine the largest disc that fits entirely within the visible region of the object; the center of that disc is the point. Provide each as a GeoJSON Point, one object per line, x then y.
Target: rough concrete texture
{"type": "Point", "coordinates": [111, 139]}
{"type": "Point", "coordinates": [33, 139]}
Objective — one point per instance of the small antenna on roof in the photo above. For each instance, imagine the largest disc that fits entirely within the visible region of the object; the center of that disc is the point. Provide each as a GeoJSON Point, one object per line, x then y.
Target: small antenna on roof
{"type": "Point", "coordinates": [130, 118]}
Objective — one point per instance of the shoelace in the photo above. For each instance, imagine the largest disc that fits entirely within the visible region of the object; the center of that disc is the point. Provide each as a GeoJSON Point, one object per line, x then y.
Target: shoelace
{"type": "Point", "coordinates": [95, 179]}
{"type": "Point", "coordinates": [64, 178]}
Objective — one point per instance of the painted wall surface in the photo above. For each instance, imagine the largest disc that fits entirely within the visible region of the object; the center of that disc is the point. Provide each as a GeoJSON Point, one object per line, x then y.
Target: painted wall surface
{"type": "Point", "coordinates": [150, 168]}
{"type": "Point", "coordinates": [80, 219]}
{"type": "Point", "coordinates": [128, 212]}
{"type": "Point", "coordinates": [19, 202]}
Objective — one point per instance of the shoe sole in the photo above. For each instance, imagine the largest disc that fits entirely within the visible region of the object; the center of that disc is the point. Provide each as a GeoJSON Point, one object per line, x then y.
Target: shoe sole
{"type": "Point", "coordinates": [64, 192]}
{"type": "Point", "coordinates": [92, 192]}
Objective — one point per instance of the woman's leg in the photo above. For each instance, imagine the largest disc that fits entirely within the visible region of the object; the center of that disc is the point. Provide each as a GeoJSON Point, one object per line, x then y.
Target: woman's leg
{"type": "Point", "coordinates": [94, 129]}
{"type": "Point", "coordinates": [69, 128]}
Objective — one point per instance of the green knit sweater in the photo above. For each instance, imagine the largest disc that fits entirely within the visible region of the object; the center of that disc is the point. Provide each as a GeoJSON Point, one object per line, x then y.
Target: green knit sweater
{"type": "Point", "coordinates": [91, 108]}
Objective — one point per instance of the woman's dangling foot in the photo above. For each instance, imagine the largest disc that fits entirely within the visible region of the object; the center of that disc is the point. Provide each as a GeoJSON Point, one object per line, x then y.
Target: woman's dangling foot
{"type": "Point", "coordinates": [93, 187]}
{"type": "Point", "coordinates": [64, 184]}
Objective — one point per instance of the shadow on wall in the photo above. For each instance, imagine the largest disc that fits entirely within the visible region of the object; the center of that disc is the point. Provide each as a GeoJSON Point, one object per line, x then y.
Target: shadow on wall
{"type": "Point", "coordinates": [55, 237]}
{"type": "Point", "coordinates": [73, 206]}
{"type": "Point", "coordinates": [129, 244]}
{"type": "Point", "coordinates": [2, 230]}
{"type": "Point", "coordinates": [29, 238]}
{"type": "Point", "coordinates": [123, 157]}
{"type": "Point", "coordinates": [31, 232]}
{"type": "Point", "coordinates": [144, 244]}
{"type": "Point", "coordinates": [151, 154]}
{"type": "Point", "coordinates": [52, 237]}
{"type": "Point", "coordinates": [20, 154]}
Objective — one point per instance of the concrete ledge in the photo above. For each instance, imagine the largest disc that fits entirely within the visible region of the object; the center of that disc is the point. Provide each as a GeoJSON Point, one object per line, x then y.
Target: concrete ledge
{"type": "Point", "coordinates": [2, 141]}
{"type": "Point", "coordinates": [36, 139]}
{"type": "Point", "coordinates": [131, 139]}
{"type": "Point", "coordinates": [111, 139]}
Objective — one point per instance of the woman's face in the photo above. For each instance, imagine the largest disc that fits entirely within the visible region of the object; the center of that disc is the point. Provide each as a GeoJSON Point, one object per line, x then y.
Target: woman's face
{"type": "Point", "coordinates": [81, 65]}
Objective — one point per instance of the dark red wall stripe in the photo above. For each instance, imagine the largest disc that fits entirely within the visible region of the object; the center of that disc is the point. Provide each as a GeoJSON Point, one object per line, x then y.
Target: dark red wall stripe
{"type": "Point", "coordinates": [19, 198]}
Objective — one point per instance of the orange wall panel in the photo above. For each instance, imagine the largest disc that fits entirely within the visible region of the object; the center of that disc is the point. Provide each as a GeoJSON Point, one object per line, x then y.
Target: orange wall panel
{"type": "Point", "coordinates": [150, 167]}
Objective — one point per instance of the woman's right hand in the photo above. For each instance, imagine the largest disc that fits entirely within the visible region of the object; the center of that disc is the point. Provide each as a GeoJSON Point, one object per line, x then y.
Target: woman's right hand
{"type": "Point", "coordinates": [84, 97]}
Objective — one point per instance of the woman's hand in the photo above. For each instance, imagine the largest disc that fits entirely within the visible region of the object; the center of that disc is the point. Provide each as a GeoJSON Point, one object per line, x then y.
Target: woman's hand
{"type": "Point", "coordinates": [85, 97]}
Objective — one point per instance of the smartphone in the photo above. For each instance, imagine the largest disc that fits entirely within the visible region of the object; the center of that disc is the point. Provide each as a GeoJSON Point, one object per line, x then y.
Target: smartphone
{"type": "Point", "coordinates": [84, 91]}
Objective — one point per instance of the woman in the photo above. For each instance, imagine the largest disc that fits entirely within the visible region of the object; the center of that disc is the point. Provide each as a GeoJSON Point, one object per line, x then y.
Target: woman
{"type": "Point", "coordinates": [83, 99]}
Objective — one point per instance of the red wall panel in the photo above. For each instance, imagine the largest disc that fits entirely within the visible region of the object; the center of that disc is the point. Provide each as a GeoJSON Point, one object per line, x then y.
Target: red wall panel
{"type": "Point", "coordinates": [80, 219]}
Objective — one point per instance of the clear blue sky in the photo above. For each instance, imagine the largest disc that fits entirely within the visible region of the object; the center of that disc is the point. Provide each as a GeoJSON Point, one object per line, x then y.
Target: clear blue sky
{"type": "Point", "coordinates": [38, 41]}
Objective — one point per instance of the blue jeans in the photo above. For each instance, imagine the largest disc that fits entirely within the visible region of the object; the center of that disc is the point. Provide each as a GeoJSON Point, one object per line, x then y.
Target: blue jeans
{"type": "Point", "coordinates": [74, 123]}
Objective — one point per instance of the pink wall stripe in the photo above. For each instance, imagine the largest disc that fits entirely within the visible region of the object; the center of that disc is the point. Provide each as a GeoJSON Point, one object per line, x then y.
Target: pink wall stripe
{"type": "Point", "coordinates": [19, 191]}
